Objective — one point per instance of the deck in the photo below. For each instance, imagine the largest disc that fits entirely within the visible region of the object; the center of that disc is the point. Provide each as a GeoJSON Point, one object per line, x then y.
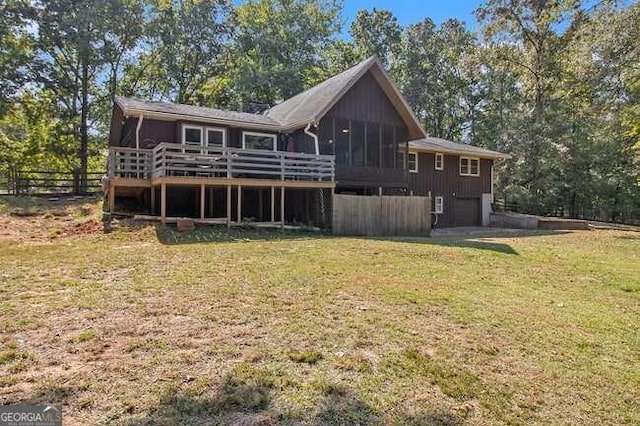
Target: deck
{"type": "Point", "coordinates": [177, 160]}
{"type": "Point", "coordinates": [206, 167]}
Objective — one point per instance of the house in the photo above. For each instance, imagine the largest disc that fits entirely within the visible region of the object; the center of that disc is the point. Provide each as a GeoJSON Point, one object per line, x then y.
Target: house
{"type": "Point", "coordinates": [459, 178]}
{"type": "Point", "coordinates": [349, 134]}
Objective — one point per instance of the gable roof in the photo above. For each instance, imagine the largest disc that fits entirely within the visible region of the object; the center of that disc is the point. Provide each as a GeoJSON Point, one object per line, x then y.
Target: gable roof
{"type": "Point", "coordinates": [304, 108]}
{"type": "Point", "coordinates": [432, 144]}
{"type": "Point", "coordinates": [131, 106]}
{"type": "Point", "coordinates": [311, 105]}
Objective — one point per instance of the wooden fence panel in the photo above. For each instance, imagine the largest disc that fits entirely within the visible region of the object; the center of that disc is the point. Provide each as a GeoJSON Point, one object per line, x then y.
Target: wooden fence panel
{"type": "Point", "coordinates": [385, 215]}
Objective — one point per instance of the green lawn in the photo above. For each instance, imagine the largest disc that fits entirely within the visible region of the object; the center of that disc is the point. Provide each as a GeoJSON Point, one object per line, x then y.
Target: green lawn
{"type": "Point", "coordinates": [147, 326]}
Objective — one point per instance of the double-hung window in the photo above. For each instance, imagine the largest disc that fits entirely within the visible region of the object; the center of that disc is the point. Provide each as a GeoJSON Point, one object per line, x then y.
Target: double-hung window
{"type": "Point", "coordinates": [192, 135]}
{"type": "Point", "coordinates": [412, 162]}
{"type": "Point", "coordinates": [469, 166]}
{"type": "Point", "coordinates": [438, 205]}
{"type": "Point", "coordinates": [439, 161]}
{"type": "Point", "coordinates": [215, 137]}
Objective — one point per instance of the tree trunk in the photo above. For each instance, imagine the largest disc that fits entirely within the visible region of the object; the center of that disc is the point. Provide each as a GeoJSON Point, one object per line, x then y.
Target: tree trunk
{"type": "Point", "coordinates": [84, 137]}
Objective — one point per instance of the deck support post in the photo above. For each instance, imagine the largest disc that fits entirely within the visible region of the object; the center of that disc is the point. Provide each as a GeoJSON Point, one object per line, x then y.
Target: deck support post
{"type": "Point", "coordinates": [239, 203]}
{"type": "Point", "coordinates": [163, 203]}
{"type": "Point", "coordinates": [202, 200]}
{"type": "Point", "coordinates": [282, 206]}
{"type": "Point", "coordinates": [211, 202]}
{"type": "Point", "coordinates": [273, 204]}
{"type": "Point", "coordinates": [228, 206]}
{"type": "Point", "coordinates": [112, 198]}
{"type": "Point", "coordinates": [153, 200]}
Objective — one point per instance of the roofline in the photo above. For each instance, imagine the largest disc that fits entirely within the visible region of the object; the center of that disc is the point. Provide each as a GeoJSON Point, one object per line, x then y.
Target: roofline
{"type": "Point", "coordinates": [402, 99]}
{"type": "Point", "coordinates": [167, 116]}
{"type": "Point", "coordinates": [494, 155]}
{"type": "Point", "coordinates": [345, 89]}
{"type": "Point", "coordinates": [374, 62]}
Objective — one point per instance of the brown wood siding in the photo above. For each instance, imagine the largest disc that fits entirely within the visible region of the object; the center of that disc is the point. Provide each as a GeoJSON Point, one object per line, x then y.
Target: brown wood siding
{"type": "Point", "coordinates": [366, 101]}
{"type": "Point", "coordinates": [115, 129]}
{"type": "Point", "coordinates": [448, 183]}
{"type": "Point", "coordinates": [366, 105]}
{"type": "Point", "coordinates": [370, 177]}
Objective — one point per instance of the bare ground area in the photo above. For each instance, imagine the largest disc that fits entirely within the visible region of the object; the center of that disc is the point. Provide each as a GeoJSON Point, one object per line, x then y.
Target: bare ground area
{"type": "Point", "coordinates": [149, 326]}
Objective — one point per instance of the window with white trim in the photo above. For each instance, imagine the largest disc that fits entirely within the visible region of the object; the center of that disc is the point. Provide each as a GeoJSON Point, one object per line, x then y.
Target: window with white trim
{"type": "Point", "coordinates": [438, 205]}
{"type": "Point", "coordinates": [412, 162]}
{"type": "Point", "coordinates": [439, 161]}
{"type": "Point", "coordinates": [253, 140]}
{"type": "Point", "coordinates": [469, 166]}
{"type": "Point", "coordinates": [216, 136]}
{"type": "Point", "coordinates": [192, 135]}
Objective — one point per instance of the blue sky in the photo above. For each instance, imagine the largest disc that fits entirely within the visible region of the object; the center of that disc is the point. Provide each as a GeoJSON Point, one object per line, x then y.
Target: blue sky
{"type": "Point", "coordinates": [412, 11]}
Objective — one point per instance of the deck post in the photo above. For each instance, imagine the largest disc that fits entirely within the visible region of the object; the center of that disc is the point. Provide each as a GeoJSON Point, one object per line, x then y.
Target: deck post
{"type": "Point", "coordinates": [153, 200]}
{"type": "Point", "coordinates": [163, 203]}
{"type": "Point", "coordinates": [112, 198]}
{"type": "Point", "coordinates": [239, 203]}
{"type": "Point", "coordinates": [202, 199]}
{"type": "Point", "coordinates": [273, 204]}
{"type": "Point", "coordinates": [228, 206]}
{"type": "Point", "coordinates": [282, 206]}
{"type": "Point", "coordinates": [210, 201]}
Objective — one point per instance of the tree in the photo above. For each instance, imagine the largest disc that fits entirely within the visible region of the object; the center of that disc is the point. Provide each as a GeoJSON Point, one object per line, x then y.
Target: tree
{"type": "Point", "coordinates": [376, 33]}
{"type": "Point", "coordinates": [75, 40]}
{"type": "Point", "coordinates": [435, 68]}
{"type": "Point", "coordinates": [279, 46]}
{"type": "Point", "coordinates": [524, 34]}
{"type": "Point", "coordinates": [16, 48]}
{"type": "Point", "coordinates": [185, 47]}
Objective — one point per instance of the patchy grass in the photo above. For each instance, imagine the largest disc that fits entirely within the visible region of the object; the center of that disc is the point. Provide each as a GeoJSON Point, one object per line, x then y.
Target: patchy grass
{"type": "Point", "coordinates": [308, 356]}
{"type": "Point", "coordinates": [149, 326]}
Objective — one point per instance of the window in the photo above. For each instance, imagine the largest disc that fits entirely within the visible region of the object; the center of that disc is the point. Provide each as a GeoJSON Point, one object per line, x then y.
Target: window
{"type": "Point", "coordinates": [439, 161]}
{"type": "Point", "coordinates": [373, 145]}
{"type": "Point", "coordinates": [469, 166]}
{"type": "Point", "coordinates": [192, 135]}
{"type": "Point", "coordinates": [264, 141]}
{"type": "Point", "coordinates": [342, 135]}
{"type": "Point", "coordinates": [412, 162]}
{"type": "Point", "coordinates": [216, 137]}
{"type": "Point", "coordinates": [439, 205]}
{"type": "Point", "coordinates": [357, 143]}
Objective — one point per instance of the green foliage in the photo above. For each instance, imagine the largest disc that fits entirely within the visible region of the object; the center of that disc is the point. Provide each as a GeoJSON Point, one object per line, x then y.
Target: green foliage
{"type": "Point", "coordinates": [185, 49]}
{"type": "Point", "coordinates": [16, 48]}
{"type": "Point", "coordinates": [278, 47]}
{"type": "Point", "coordinates": [376, 33]}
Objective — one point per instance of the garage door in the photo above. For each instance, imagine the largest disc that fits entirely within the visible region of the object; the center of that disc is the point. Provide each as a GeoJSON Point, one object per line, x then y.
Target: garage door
{"type": "Point", "coordinates": [466, 212]}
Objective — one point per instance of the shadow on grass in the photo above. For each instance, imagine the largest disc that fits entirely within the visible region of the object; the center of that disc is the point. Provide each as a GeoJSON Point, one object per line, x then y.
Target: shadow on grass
{"type": "Point", "coordinates": [245, 398]}
{"type": "Point", "coordinates": [168, 234]}
{"type": "Point", "coordinates": [478, 238]}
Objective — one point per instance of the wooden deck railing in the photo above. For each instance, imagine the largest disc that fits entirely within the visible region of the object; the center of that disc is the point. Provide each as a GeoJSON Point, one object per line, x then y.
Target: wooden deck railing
{"type": "Point", "coordinates": [168, 159]}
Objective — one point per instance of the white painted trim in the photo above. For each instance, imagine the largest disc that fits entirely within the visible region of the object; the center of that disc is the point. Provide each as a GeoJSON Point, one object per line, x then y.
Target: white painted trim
{"type": "Point", "coordinates": [435, 161]}
{"type": "Point", "coordinates": [438, 201]}
{"type": "Point", "coordinates": [416, 162]}
{"type": "Point", "coordinates": [470, 159]}
{"type": "Point", "coordinates": [223, 130]}
{"type": "Point", "coordinates": [271, 135]}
